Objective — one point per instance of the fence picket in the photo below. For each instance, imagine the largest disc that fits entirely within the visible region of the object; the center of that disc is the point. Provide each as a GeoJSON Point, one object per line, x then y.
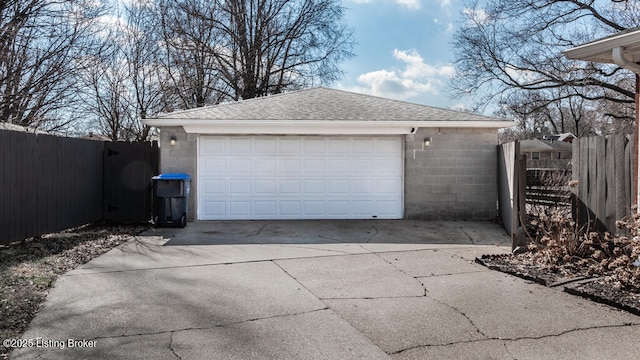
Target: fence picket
{"type": "Point", "coordinates": [50, 183]}
{"type": "Point", "coordinates": [603, 167]}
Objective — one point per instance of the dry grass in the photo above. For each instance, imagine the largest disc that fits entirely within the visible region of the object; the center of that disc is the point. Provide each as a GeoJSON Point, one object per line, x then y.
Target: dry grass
{"type": "Point", "coordinates": [559, 244]}
{"type": "Point", "coordinates": [28, 269]}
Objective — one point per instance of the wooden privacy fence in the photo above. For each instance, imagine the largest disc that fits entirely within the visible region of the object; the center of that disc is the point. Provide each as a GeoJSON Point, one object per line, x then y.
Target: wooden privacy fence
{"type": "Point", "coordinates": [603, 168]}
{"type": "Point", "coordinates": [50, 183]}
{"type": "Point", "coordinates": [548, 187]}
{"type": "Point", "coordinates": [511, 189]}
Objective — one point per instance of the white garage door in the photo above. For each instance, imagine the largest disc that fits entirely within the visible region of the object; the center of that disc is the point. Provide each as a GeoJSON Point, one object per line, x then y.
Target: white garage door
{"type": "Point", "coordinates": [299, 177]}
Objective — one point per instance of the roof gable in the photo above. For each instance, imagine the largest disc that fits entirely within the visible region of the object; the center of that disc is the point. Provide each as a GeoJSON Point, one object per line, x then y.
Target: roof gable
{"type": "Point", "coordinates": [324, 104]}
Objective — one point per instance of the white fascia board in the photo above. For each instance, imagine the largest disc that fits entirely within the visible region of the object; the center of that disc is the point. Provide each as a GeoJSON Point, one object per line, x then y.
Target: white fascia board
{"type": "Point", "coordinates": [600, 50]}
{"type": "Point", "coordinates": [306, 127]}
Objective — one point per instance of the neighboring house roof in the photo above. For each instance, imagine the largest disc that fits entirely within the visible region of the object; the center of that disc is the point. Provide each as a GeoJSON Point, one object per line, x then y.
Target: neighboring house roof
{"type": "Point", "coordinates": [537, 145]}
{"type": "Point", "coordinates": [14, 127]}
{"type": "Point", "coordinates": [317, 110]}
{"type": "Point", "coordinates": [566, 137]}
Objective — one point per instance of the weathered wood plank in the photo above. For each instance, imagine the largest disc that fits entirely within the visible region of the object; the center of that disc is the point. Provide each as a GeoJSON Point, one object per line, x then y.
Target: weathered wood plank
{"type": "Point", "coordinates": [601, 184]}
{"type": "Point", "coordinates": [610, 213]}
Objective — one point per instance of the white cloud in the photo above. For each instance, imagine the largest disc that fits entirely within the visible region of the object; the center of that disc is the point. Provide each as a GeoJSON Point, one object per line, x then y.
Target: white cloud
{"type": "Point", "coordinates": [413, 79]}
{"type": "Point", "coordinates": [476, 16]}
{"type": "Point", "coordinates": [409, 4]}
{"type": "Point", "coordinates": [137, 3]}
{"type": "Point", "coordinates": [412, 5]}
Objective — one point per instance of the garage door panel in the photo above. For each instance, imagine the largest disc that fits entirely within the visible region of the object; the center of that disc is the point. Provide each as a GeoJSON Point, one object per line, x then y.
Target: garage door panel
{"type": "Point", "coordinates": [387, 186]}
{"type": "Point", "coordinates": [388, 166]}
{"type": "Point", "coordinates": [388, 207]}
{"type": "Point", "coordinates": [291, 167]}
{"type": "Point", "coordinates": [387, 147]}
{"type": "Point", "coordinates": [266, 166]}
{"type": "Point", "coordinates": [363, 186]}
{"type": "Point", "coordinates": [217, 187]}
{"type": "Point", "coordinates": [297, 177]}
{"type": "Point", "coordinates": [265, 208]}
{"type": "Point", "coordinates": [314, 186]}
{"type": "Point", "coordinates": [213, 145]}
{"type": "Point", "coordinates": [215, 208]}
{"type": "Point", "coordinates": [265, 186]}
{"type": "Point", "coordinates": [363, 146]}
{"type": "Point", "coordinates": [240, 208]}
{"type": "Point", "coordinates": [213, 166]}
{"type": "Point", "coordinates": [338, 167]}
{"type": "Point", "coordinates": [362, 207]}
{"type": "Point", "coordinates": [339, 146]}
{"type": "Point", "coordinates": [314, 208]}
{"type": "Point", "coordinates": [290, 186]}
{"type": "Point", "coordinates": [265, 145]}
{"type": "Point", "coordinates": [338, 208]}
{"type": "Point", "coordinates": [289, 208]}
{"type": "Point", "coordinates": [338, 186]}
{"type": "Point", "coordinates": [314, 167]}
{"type": "Point", "coordinates": [290, 146]}
{"type": "Point", "coordinates": [314, 146]}
{"type": "Point", "coordinates": [239, 145]}
{"type": "Point", "coordinates": [240, 187]}
{"type": "Point", "coordinates": [240, 166]}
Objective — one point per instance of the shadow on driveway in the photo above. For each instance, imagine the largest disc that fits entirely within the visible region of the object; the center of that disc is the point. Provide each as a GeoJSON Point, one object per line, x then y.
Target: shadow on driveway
{"type": "Point", "coordinates": [333, 232]}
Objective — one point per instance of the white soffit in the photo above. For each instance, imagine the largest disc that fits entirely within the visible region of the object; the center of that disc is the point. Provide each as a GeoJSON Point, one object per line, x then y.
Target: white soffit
{"type": "Point", "coordinates": [601, 50]}
{"type": "Point", "coordinates": [306, 127]}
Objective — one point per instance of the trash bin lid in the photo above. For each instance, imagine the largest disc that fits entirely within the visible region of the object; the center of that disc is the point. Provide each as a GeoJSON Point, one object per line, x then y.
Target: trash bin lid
{"type": "Point", "coordinates": [172, 176]}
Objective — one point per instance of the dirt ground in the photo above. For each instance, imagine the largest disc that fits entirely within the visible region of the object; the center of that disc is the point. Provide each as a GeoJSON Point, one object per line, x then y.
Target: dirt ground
{"type": "Point", "coordinates": [29, 268]}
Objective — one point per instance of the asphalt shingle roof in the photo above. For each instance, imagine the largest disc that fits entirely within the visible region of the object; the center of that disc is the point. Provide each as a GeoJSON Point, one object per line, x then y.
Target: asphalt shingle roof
{"type": "Point", "coordinates": [322, 103]}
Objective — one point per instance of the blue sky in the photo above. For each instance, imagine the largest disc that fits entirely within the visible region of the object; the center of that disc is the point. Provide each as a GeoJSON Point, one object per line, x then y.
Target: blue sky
{"type": "Point", "coordinates": [404, 49]}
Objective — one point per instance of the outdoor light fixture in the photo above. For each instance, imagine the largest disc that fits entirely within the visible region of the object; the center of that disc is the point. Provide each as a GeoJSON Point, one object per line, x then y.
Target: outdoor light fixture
{"type": "Point", "coordinates": [173, 140]}
{"type": "Point", "coordinates": [426, 142]}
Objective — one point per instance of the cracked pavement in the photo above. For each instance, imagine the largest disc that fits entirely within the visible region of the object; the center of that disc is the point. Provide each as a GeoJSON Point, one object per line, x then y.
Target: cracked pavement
{"type": "Point", "coordinates": [316, 299]}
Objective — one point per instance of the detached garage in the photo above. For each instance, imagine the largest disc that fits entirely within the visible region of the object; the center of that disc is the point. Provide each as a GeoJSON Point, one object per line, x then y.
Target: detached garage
{"type": "Point", "coordinates": [328, 154]}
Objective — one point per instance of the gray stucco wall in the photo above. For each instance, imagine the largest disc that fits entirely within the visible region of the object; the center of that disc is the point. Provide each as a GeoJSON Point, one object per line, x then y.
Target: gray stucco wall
{"type": "Point", "coordinates": [455, 178]}
{"type": "Point", "coordinates": [180, 158]}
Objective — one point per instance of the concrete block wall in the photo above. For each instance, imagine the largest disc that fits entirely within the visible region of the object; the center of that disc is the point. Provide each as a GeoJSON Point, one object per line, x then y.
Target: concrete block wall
{"type": "Point", "coordinates": [455, 178]}
{"type": "Point", "coordinates": [180, 158]}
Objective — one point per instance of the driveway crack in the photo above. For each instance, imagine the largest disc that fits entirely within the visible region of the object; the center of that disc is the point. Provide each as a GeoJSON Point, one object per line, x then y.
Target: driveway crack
{"type": "Point", "coordinates": [257, 232]}
{"type": "Point", "coordinates": [461, 313]}
{"type": "Point", "coordinates": [171, 346]}
{"type": "Point", "coordinates": [424, 288]}
{"type": "Point", "coordinates": [469, 236]}
{"type": "Point", "coordinates": [174, 331]}
{"type": "Point", "coordinates": [374, 235]}
{"type": "Point", "coordinates": [506, 340]}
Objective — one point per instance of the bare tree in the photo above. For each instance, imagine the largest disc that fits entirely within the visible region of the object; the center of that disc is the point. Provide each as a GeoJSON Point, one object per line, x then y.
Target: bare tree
{"type": "Point", "coordinates": [124, 80]}
{"type": "Point", "coordinates": [141, 50]}
{"type": "Point", "coordinates": [107, 93]}
{"type": "Point", "coordinates": [509, 53]}
{"type": "Point", "coordinates": [41, 48]}
{"type": "Point", "coordinates": [261, 47]}
{"type": "Point", "coordinates": [194, 79]}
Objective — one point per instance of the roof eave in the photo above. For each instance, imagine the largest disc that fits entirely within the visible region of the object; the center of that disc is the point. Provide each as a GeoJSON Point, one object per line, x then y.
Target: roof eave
{"type": "Point", "coordinates": [315, 127]}
{"type": "Point", "coordinates": [601, 50]}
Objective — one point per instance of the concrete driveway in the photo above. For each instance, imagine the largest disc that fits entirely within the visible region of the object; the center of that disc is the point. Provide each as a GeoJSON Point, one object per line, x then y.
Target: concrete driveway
{"type": "Point", "coordinates": [318, 290]}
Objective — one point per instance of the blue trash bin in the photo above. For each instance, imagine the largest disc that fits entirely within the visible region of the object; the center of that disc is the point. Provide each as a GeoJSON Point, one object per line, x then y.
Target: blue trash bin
{"type": "Point", "coordinates": [171, 199]}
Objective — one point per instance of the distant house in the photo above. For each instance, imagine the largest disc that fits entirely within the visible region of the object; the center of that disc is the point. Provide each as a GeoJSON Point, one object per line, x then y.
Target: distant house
{"type": "Point", "coordinates": [14, 127]}
{"type": "Point", "coordinates": [549, 152]}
